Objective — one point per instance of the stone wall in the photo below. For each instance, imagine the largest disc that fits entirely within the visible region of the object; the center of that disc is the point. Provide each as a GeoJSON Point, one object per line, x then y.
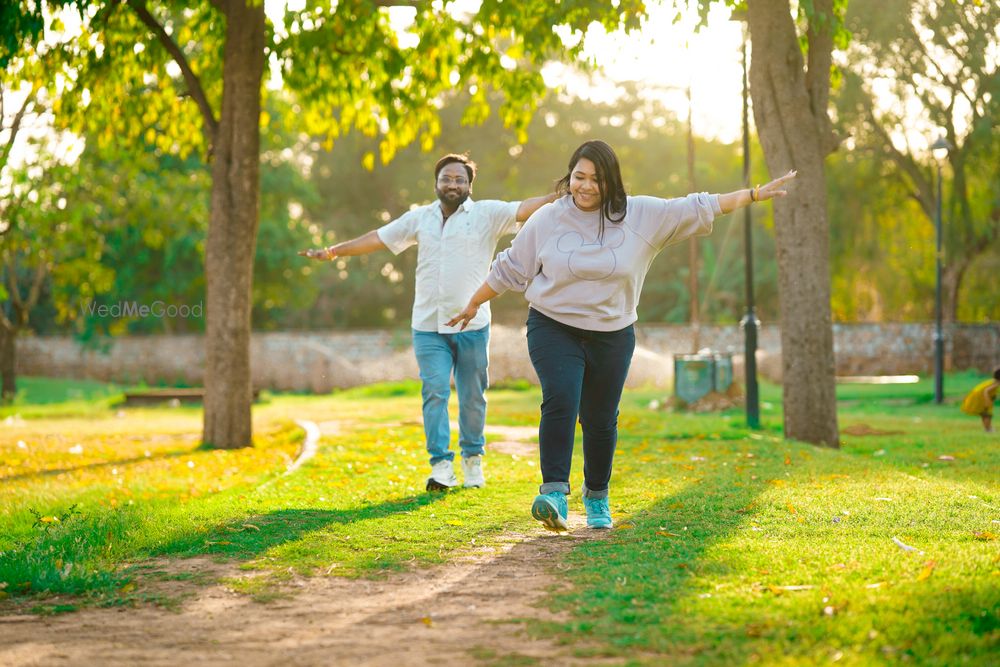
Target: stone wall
{"type": "Point", "coordinates": [319, 362]}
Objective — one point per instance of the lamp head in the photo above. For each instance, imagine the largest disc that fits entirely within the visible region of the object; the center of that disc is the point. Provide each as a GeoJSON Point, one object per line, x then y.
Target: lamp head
{"type": "Point", "coordinates": [940, 148]}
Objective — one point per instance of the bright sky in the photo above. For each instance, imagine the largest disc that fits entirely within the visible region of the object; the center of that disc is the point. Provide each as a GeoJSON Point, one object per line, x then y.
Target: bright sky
{"type": "Point", "coordinates": [665, 58]}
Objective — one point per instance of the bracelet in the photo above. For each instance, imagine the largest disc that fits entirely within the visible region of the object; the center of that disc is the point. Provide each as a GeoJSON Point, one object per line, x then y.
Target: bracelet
{"type": "Point", "coordinates": [755, 194]}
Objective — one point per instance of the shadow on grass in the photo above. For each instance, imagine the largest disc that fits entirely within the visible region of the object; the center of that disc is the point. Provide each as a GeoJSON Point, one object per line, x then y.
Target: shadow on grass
{"type": "Point", "coordinates": [101, 547]}
{"type": "Point", "coordinates": [627, 586]}
{"type": "Point", "coordinates": [251, 536]}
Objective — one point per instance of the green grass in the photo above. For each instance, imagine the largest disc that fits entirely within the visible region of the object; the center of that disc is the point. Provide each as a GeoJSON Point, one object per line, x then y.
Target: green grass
{"type": "Point", "coordinates": [44, 391]}
{"type": "Point", "coordinates": [716, 525]}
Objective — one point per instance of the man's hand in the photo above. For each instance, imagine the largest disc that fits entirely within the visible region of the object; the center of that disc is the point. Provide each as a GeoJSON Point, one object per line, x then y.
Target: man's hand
{"type": "Point", "coordinates": [464, 317]}
{"type": "Point", "coordinates": [322, 254]}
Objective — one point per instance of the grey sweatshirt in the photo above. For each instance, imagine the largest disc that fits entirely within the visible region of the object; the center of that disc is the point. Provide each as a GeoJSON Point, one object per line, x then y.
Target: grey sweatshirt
{"type": "Point", "coordinates": [566, 273]}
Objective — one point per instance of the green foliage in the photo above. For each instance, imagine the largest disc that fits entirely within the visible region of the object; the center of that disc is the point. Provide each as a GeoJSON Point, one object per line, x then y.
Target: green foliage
{"type": "Point", "coordinates": [881, 246]}
{"type": "Point", "coordinates": [344, 62]}
{"type": "Point", "coordinates": [932, 58]}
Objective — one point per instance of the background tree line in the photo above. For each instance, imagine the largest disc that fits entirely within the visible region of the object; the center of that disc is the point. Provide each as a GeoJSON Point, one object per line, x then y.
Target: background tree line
{"type": "Point", "coordinates": [152, 217]}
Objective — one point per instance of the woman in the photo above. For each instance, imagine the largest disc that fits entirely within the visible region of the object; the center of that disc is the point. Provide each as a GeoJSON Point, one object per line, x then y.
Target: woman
{"type": "Point", "coordinates": [581, 262]}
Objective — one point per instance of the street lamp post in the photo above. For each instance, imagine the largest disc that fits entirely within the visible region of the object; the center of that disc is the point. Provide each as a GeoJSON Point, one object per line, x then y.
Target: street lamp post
{"type": "Point", "coordinates": [750, 323]}
{"type": "Point", "coordinates": [940, 149]}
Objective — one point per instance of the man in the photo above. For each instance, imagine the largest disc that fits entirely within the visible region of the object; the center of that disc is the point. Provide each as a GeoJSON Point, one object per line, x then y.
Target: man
{"type": "Point", "coordinates": [456, 239]}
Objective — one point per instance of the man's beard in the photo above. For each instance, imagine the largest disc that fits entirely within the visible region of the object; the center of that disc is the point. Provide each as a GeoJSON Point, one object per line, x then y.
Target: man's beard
{"type": "Point", "coordinates": [452, 199]}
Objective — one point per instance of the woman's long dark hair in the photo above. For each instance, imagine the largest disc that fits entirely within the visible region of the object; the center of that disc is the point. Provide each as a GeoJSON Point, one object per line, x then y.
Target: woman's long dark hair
{"type": "Point", "coordinates": [609, 180]}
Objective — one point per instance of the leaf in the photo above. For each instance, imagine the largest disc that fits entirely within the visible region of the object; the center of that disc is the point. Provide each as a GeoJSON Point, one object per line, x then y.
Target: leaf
{"type": "Point", "coordinates": [788, 460]}
{"type": "Point", "coordinates": [127, 588]}
{"type": "Point", "coordinates": [454, 522]}
{"type": "Point", "coordinates": [664, 533]}
{"type": "Point", "coordinates": [927, 571]}
{"type": "Point", "coordinates": [984, 536]}
{"type": "Point", "coordinates": [427, 620]}
{"type": "Point", "coordinates": [791, 509]}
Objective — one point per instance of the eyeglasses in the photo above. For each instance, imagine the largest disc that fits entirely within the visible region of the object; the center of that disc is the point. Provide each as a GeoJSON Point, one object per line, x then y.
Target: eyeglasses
{"type": "Point", "coordinates": [459, 181]}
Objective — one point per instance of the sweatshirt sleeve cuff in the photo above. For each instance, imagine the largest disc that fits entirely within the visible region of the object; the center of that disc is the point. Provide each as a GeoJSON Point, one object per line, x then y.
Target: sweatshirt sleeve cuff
{"type": "Point", "coordinates": [716, 206]}
{"type": "Point", "coordinates": [495, 284]}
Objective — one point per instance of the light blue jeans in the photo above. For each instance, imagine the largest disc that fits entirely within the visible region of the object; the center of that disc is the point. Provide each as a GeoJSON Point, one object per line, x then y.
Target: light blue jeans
{"type": "Point", "coordinates": [438, 355]}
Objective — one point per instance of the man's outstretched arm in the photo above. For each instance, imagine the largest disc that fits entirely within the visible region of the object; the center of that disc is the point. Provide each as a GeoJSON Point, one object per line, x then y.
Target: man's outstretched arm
{"type": "Point", "coordinates": [361, 245]}
{"type": "Point", "coordinates": [529, 206]}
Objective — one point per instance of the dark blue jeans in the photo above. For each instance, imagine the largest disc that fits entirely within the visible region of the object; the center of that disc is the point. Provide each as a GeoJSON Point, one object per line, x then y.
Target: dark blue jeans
{"type": "Point", "coordinates": [582, 374]}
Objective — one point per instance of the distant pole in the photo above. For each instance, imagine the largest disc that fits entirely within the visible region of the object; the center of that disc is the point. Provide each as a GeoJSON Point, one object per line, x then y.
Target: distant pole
{"type": "Point", "coordinates": [940, 150]}
{"type": "Point", "coordinates": [750, 321]}
{"type": "Point", "coordinates": [695, 315]}
{"type": "Point", "coordinates": [938, 329]}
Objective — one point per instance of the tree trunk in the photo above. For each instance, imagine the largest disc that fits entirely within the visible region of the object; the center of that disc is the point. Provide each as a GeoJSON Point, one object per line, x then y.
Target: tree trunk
{"type": "Point", "coordinates": [951, 283]}
{"type": "Point", "coordinates": [794, 136]}
{"type": "Point", "coordinates": [8, 368]}
{"type": "Point", "coordinates": [232, 232]}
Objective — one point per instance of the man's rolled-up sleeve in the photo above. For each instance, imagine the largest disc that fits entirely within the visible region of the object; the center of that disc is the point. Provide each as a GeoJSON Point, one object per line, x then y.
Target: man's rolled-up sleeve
{"type": "Point", "coordinates": [401, 233]}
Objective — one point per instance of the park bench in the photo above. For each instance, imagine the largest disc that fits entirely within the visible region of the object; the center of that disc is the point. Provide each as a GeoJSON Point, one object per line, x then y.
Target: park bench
{"type": "Point", "coordinates": [190, 396]}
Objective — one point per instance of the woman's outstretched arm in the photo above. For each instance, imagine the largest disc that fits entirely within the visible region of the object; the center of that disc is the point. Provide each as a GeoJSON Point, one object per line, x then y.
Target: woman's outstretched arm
{"type": "Point", "coordinates": [731, 201]}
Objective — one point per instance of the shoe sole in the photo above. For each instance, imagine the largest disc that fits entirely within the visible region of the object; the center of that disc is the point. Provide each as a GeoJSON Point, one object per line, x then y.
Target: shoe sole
{"type": "Point", "coordinates": [434, 485]}
{"type": "Point", "coordinates": [603, 526]}
{"type": "Point", "coordinates": [474, 486]}
{"type": "Point", "coordinates": [549, 516]}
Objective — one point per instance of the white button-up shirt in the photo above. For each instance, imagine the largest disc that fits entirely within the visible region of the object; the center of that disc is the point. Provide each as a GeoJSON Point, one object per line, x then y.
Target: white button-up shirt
{"type": "Point", "coordinates": [453, 257]}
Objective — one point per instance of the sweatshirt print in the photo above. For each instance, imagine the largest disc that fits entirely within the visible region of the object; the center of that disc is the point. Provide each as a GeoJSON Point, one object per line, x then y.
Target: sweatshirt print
{"type": "Point", "coordinates": [570, 275]}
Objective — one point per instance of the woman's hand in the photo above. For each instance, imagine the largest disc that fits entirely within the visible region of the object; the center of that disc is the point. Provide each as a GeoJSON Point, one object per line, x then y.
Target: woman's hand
{"type": "Point", "coordinates": [322, 254]}
{"type": "Point", "coordinates": [464, 317]}
{"type": "Point", "coordinates": [775, 188]}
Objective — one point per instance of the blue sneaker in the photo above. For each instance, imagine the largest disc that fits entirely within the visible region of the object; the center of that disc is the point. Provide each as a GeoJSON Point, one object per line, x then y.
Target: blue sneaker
{"type": "Point", "coordinates": [598, 512]}
{"type": "Point", "coordinates": [551, 509]}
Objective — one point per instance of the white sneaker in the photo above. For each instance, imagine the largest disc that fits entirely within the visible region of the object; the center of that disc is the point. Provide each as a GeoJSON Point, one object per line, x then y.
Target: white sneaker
{"type": "Point", "coordinates": [442, 476]}
{"type": "Point", "coordinates": [472, 471]}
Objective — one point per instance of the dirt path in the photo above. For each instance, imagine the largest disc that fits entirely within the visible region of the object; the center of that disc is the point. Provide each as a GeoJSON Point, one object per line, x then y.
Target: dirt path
{"type": "Point", "coordinates": [464, 613]}
{"type": "Point", "coordinates": [472, 611]}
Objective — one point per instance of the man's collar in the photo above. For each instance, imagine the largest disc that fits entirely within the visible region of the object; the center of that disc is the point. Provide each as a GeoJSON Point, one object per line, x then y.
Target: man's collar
{"type": "Point", "coordinates": [465, 206]}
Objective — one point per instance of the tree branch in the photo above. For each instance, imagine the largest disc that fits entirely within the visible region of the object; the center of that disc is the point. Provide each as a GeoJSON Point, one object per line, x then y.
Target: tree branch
{"type": "Point", "coordinates": [923, 189]}
{"type": "Point", "coordinates": [15, 126]}
{"type": "Point", "coordinates": [949, 82]}
{"type": "Point", "coordinates": [15, 292]}
{"type": "Point", "coordinates": [194, 85]}
{"type": "Point", "coordinates": [818, 64]}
